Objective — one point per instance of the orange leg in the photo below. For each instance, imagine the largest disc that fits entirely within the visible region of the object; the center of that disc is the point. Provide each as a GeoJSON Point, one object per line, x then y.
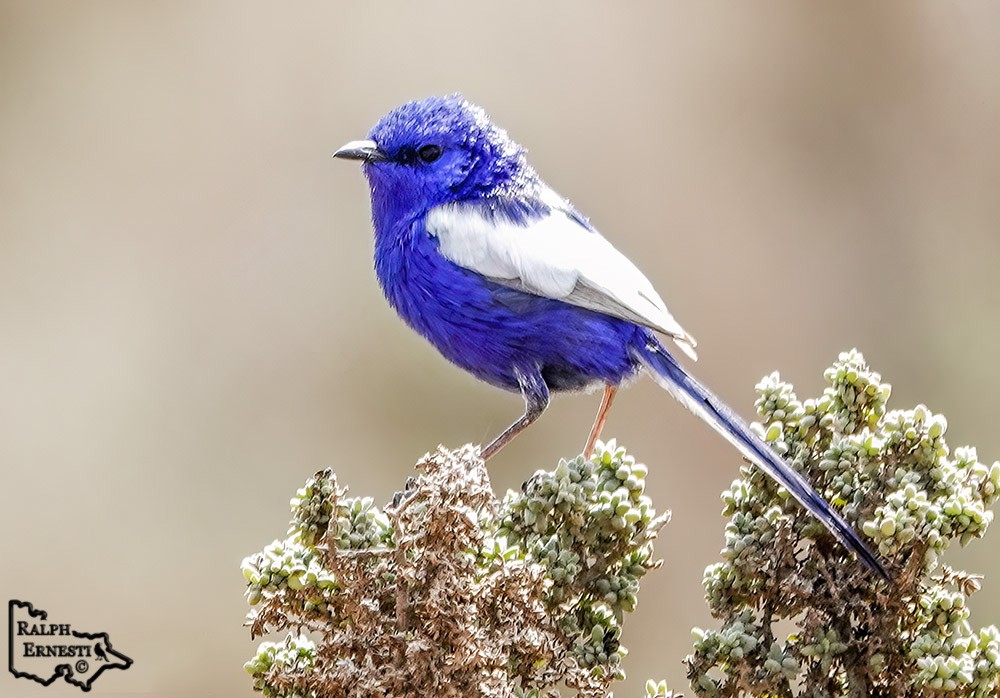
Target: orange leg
{"type": "Point", "coordinates": [602, 416]}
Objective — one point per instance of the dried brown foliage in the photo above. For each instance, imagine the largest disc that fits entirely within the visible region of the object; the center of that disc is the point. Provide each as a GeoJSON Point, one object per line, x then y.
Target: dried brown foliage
{"type": "Point", "coordinates": [437, 608]}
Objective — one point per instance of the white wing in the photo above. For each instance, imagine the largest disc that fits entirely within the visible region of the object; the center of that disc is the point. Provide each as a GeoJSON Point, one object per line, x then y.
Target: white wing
{"type": "Point", "coordinates": [556, 257]}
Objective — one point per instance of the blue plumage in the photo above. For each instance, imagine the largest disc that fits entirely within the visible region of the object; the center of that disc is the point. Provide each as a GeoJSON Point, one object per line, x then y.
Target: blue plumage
{"type": "Point", "coordinates": [510, 282]}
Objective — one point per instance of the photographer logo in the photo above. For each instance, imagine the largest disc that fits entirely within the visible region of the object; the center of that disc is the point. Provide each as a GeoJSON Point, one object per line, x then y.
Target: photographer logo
{"type": "Point", "coordinates": [43, 651]}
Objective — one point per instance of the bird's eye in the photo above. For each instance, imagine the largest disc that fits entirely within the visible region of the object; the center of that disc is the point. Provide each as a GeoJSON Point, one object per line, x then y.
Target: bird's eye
{"type": "Point", "coordinates": [429, 153]}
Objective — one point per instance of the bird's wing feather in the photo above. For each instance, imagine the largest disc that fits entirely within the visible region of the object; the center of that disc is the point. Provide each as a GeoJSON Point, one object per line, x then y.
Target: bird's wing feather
{"type": "Point", "coordinates": [553, 254]}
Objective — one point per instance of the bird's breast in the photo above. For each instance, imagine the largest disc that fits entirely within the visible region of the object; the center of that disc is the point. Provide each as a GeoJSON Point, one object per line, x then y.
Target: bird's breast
{"type": "Point", "coordinates": [493, 331]}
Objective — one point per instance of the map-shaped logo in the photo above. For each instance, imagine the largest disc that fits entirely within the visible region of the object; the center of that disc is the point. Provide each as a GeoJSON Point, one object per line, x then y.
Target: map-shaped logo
{"type": "Point", "coordinates": [43, 651]}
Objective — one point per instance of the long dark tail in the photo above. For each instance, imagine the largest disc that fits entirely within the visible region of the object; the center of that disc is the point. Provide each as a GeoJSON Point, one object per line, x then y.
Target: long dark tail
{"type": "Point", "coordinates": [703, 402]}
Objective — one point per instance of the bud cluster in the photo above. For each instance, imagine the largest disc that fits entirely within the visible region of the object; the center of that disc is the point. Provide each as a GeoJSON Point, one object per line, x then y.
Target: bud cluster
{"type": "Point", "coordinates": [590, 527]}
{"type": "Point", "coordinates": [295, 654]}
{"type": "Point", "coordinates": [893, 477]}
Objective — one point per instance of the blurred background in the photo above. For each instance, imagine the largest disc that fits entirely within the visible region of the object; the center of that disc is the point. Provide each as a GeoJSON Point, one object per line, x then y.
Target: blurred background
{"type": "Point", "coordinates": [190, 325]}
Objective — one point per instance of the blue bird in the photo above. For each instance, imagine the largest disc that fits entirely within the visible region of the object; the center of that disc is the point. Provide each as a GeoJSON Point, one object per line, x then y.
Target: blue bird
{"type": "Point", "coordinates": [510, 282]}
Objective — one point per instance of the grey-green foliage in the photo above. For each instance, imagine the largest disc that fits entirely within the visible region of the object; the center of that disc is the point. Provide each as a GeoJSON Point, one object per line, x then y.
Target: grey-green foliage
{"type": "Point", "coordinates": [895, 479]}
{"type": "Point", "coordinates": [587, 523]}
{"type": "Point", "coordinates": [449, 591]}
{"type": "Point", "coordinates": [318, 509]}
{"type": "Point", "coordinates": [295, 654]}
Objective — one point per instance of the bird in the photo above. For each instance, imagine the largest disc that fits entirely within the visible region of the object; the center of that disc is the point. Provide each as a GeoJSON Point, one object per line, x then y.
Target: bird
{"type": "Point", "coordinates": [509, 281]}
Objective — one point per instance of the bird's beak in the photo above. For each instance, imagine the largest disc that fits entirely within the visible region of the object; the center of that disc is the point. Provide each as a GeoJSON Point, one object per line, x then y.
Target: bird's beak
{"type": "Point", "coordinates": [366, 151]}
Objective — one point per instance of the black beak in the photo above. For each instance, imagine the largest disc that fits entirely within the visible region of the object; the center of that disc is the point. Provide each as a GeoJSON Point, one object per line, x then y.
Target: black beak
{"type": "Point", "coordinates": [366, 151]}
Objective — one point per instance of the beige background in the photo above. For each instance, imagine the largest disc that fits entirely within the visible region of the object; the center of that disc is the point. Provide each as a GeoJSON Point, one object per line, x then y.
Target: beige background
{"type": "Point", "coordinates": [190, 325]}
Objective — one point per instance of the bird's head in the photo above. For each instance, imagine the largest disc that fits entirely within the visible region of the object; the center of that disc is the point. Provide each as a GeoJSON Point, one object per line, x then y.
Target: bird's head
{"type": "Point", "coordinates": [438, 150]}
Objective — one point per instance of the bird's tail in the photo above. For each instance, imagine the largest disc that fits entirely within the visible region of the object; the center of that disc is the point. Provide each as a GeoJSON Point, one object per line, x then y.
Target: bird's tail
{"type": "Point", "coordinates": [700, 400]}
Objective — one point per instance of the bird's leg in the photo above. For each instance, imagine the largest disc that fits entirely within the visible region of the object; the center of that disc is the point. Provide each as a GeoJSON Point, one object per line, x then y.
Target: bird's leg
{"type": "Point", "coordinates": [602, 416]}
{"type": "Point", "coordinates": [536, 399]}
